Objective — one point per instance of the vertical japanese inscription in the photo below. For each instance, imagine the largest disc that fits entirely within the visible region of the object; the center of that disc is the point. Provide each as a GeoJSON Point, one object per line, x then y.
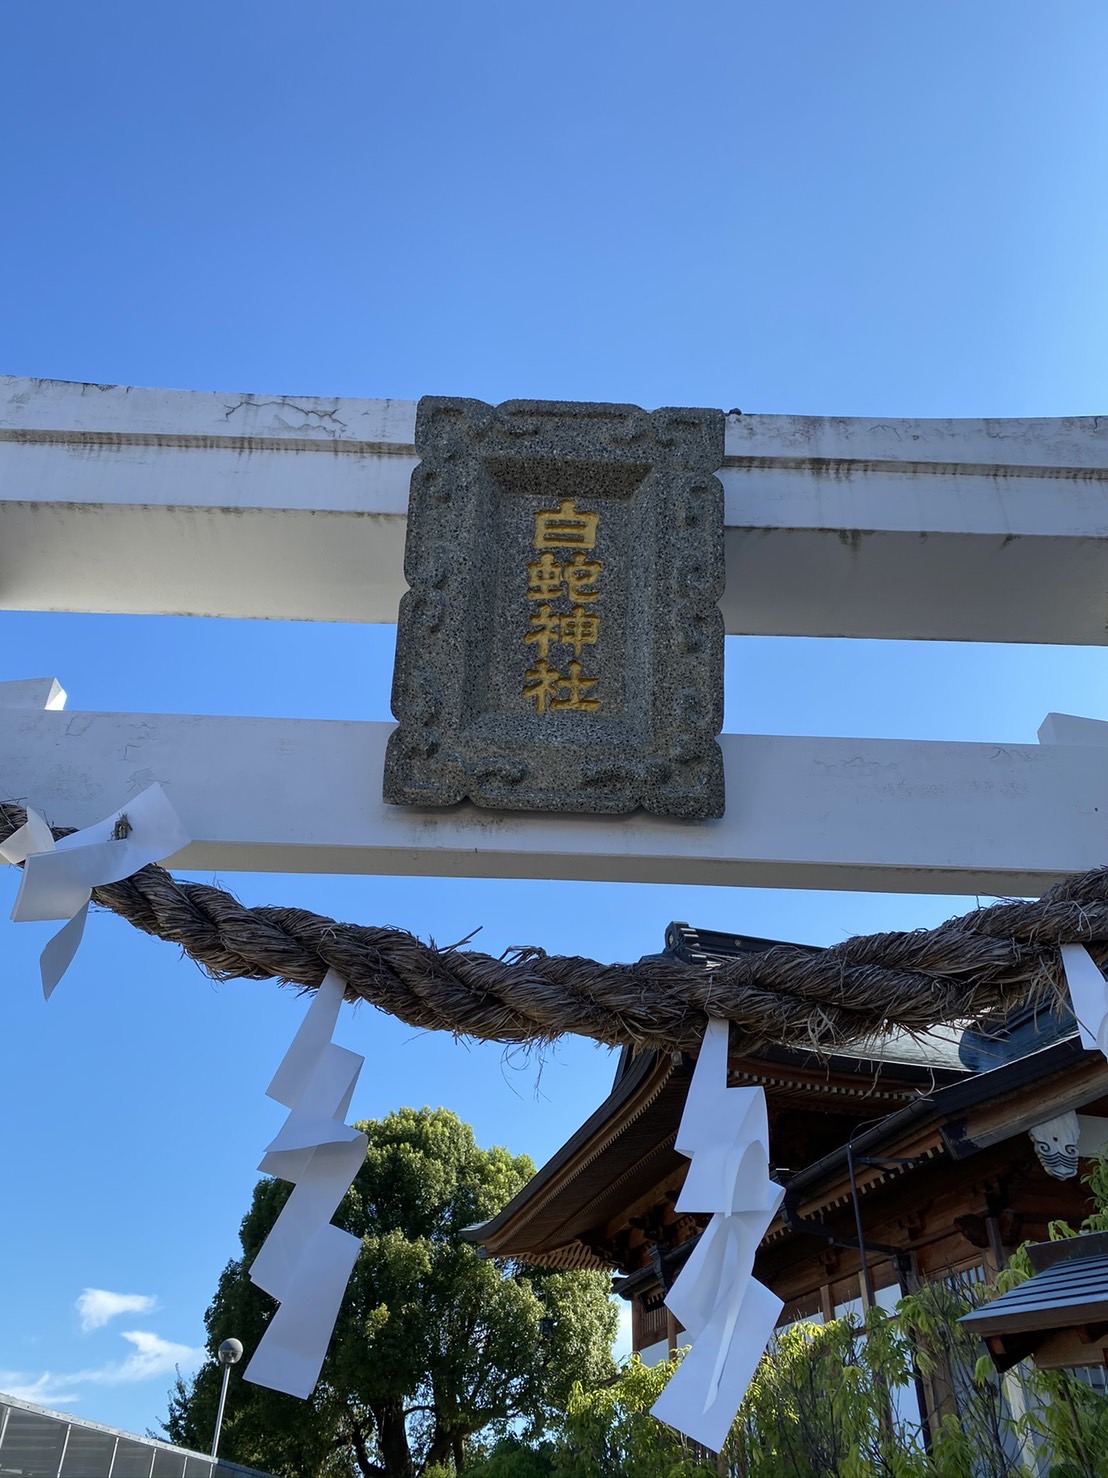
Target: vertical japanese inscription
{"type": "Point", "coordinates": [563, 593]}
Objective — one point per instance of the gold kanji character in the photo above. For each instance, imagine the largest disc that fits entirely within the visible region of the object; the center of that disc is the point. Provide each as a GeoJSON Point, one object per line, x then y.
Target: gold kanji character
{"type": "Point", "coordinates": [545, 682]}
{"type": "Point", "coordinates": [543, 630]}
{"type": "Point", "coordinates": [565, 528]}
{"type": "Point", "coordinates": [581, 576]}
{"type": "Point", "coordinates": [575, 686]}
{"type": "Point", "coordinates": [579, 629]}
{"type": "Point", "coordinates": [544, 579]}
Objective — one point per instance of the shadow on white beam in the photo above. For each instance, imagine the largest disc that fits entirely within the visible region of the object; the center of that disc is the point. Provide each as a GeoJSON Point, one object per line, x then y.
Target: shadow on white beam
{"type": "Point", "coordinates": [265, 795]}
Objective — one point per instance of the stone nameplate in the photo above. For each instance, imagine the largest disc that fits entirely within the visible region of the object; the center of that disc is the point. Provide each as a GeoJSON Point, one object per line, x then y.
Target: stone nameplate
{"type": "Point", "coordinates": [560, 647]}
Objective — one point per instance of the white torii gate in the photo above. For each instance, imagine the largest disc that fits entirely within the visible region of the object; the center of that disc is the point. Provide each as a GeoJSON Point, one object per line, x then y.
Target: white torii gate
{"type": "Point", "coordinates": [184, 502]}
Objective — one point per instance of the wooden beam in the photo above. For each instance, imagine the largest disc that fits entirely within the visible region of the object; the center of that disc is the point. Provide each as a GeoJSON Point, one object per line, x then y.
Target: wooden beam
{"type": "Point", "coordinates": [990, 1123]}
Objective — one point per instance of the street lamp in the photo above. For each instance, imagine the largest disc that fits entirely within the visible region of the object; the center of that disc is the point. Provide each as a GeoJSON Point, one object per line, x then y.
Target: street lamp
{"type": "Point", "coordinates": [230, 1353]}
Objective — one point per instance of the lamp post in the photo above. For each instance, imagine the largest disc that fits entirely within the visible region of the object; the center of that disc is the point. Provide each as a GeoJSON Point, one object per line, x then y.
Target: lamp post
{"type": "Point", "coordinates": [230, 1353]}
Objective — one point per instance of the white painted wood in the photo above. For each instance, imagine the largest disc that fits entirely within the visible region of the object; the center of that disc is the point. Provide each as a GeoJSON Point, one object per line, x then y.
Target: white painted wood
{"type": "Point", "coordinates": [116, 499]}
{"type": "Point", "coordinates": [68, 408]}
{"type": "Point", "coordinates": [184, 502]}
{"type": "Point", "coordinates": [297, 796]}
{"type": "Point", "coordinates": [33, 692]}
{"type": "Point", "coordinates": [1068, 728]}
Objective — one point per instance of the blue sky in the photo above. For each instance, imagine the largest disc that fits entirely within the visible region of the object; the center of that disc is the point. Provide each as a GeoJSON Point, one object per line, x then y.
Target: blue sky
{"type": "Point", "coordinates": [849, 208]}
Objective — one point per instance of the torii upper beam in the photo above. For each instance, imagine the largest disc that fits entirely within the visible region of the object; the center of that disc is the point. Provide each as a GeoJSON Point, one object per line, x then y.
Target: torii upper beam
{"type": "Point", "coordinates": [186, 502]}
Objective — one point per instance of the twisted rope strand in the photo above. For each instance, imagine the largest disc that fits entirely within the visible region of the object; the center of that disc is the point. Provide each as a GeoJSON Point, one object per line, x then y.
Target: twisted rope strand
{"type": "Point", "coordinates": [988, 960]}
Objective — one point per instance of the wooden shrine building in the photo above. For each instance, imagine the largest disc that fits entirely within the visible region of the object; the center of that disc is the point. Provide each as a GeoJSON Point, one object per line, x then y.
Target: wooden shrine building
{"type": "Point", "coordinates": [906, 1160]}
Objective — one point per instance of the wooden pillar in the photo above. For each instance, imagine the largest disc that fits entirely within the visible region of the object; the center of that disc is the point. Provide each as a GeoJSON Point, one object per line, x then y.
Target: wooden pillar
{"type": "Point", "coordinates": [998, 1258]}
{"type": "Point", "coordinates": [826, 1302]}
{"type": "Point", "coordinates": [865, 1282]}
{"type": "Point", "coordinates": [636, 1325]}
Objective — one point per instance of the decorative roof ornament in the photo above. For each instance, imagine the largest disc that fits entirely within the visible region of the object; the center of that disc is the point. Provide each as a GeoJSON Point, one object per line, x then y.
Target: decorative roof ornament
{"type": "Point", "coordinates": [1055, 1144]}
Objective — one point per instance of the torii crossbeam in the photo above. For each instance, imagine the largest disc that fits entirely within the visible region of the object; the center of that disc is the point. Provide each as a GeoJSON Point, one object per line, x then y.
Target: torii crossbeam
{"type": "Point", "coordinates": [120, 500]}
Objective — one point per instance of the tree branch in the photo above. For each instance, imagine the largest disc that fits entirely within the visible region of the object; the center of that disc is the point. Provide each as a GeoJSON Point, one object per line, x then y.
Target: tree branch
{"type": "Point", "coordinates": [366, 1466]}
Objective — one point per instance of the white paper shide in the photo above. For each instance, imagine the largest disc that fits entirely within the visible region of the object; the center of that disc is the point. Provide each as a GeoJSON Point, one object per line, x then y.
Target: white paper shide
{"type": "Point", "coordinates": [305, 1262]}
{"type": "Point", "coordinates": [58, 877]}
{"type": "Point", "coordinates": [1089, 994]}
{"type": "Point", "coordinates": [727, 1314]}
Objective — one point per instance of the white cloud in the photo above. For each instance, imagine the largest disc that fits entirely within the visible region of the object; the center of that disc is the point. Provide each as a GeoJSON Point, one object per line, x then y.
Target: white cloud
{"type": "Point", "coordinates": [152, 1358]}
{"type": "Point", "coordinates": [96, 1306]}
{"type": "Point", "coordinates": [43, 1390]}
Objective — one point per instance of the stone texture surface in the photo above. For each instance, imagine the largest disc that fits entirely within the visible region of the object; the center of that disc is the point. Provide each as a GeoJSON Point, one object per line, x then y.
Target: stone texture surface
{"type": "Point", "coordinates": [560, 647]}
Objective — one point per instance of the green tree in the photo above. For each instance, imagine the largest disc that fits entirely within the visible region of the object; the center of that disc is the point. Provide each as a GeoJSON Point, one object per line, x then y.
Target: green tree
{"type": "Point", "coordinates": [433, 1345]}
{"type": "Point", "coordinates": [819, 1407]}
{"type": "Point", "coordinates": [610, 1433]}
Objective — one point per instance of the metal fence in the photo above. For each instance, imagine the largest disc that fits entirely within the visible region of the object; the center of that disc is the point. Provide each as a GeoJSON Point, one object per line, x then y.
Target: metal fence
{"type": "Point", "coordinates": [36, 1443]}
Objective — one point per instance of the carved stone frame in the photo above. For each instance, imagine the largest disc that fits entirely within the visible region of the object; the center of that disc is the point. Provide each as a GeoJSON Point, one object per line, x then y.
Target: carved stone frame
{"type": "Point", "coordinates": [463, 730]}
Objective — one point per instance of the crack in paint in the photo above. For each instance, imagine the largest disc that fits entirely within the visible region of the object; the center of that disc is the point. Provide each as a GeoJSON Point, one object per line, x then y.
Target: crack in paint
{"type": "Point", "coordinates": [284, 403]}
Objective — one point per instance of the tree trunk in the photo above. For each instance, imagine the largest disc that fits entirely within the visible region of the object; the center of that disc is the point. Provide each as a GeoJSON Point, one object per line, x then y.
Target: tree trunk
{"type": "Point", "coordinates": [440, 1448]}
{"type": "Point", "coordinates": [392, 1439]}
{"type": "Point", "coordinates": [450, 1444]}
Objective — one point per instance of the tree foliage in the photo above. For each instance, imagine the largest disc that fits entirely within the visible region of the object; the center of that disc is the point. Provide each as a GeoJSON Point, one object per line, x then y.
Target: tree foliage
{"type": "Point", "coordinates": [433, 1345]}
{"type": "Point", "coordinates": [823, 1404]}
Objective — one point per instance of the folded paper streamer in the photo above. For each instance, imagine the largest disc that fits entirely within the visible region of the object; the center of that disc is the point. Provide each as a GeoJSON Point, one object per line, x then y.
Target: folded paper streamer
{"type": "Point", "coordinates": [728, 1315]}
{"type": "Point", "coordinates": [1089, 994]}
{"type": "Point", "coordinates": [58, 877]}
{"type": "Point", "coordinates": [305, 1262]}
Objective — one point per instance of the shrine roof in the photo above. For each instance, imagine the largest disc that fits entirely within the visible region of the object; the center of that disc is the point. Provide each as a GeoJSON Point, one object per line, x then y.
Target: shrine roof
{"type": "Point", "coordinates": [957, 1120]}
{"type": "Point", "coordinates": [1068, 1292]}
{"type": "Point", "coordinates": [620, 1152]}
{"type": "Point", "coordinates": [624, 1152]}
{"type": "Point", "coordinates": [620, 1165]}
